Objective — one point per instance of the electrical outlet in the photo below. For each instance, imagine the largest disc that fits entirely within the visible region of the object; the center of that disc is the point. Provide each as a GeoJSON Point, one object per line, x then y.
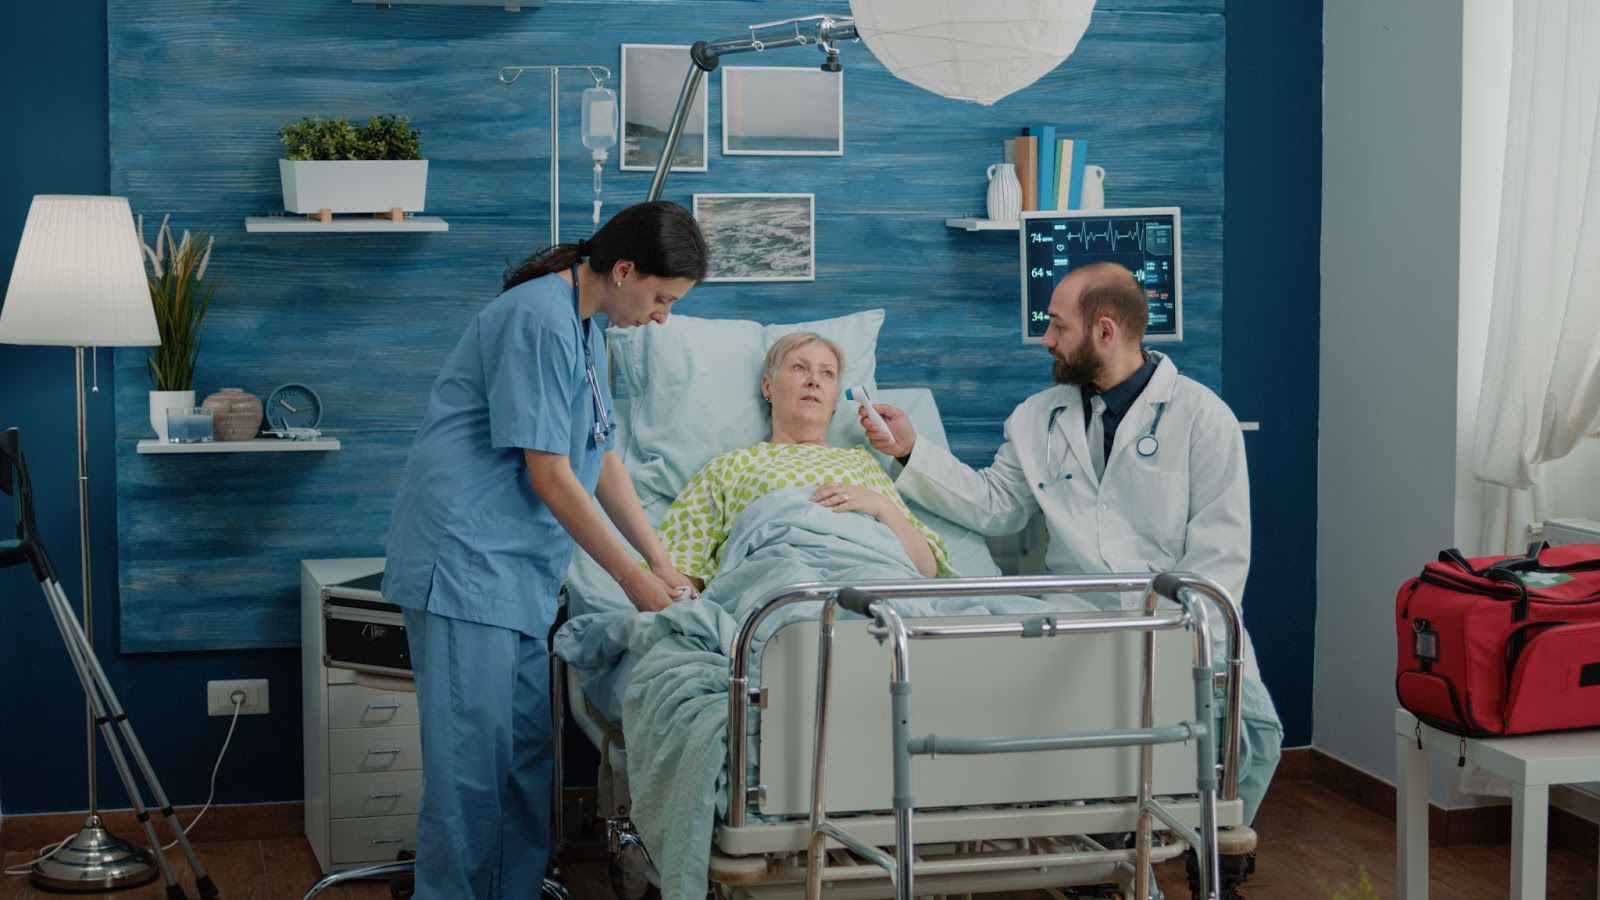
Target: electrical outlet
{"type": "Point", "coordinates": [219, 697]}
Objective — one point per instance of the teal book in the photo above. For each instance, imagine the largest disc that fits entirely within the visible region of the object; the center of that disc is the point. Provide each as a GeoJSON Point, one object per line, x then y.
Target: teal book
{"type": "Point", "coordinates": [1063, 174]}
{"type": "Point", "coordinates": [1047, 166]}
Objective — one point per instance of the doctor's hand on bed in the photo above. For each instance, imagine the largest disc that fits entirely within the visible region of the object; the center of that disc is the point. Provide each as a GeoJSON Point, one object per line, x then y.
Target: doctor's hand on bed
{"type": "Point", "coordinates": [900, 443]}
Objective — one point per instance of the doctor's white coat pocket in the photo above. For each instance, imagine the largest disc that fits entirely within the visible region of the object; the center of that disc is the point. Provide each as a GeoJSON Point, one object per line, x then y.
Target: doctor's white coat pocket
{"type": "Point", "coordinates": [1159, 509]}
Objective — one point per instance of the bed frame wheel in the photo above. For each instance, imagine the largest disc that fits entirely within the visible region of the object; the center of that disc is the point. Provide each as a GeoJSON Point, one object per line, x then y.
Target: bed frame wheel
{"type": "Point", "coordinates": [629, 880]}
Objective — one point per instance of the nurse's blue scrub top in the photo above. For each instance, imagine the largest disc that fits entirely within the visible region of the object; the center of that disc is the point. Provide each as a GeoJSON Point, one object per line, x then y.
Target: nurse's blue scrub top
{"type": "Point", "coordinates": [469, 538]}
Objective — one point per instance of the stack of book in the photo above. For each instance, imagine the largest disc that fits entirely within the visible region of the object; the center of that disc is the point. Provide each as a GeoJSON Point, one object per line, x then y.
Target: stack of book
{"type": "Point", "coordinates": [1050, 168]}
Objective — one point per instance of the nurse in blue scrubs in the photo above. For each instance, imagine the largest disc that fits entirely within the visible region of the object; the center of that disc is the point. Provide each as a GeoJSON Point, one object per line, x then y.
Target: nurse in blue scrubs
{"type": "Point", "coordinates": [516, 440]}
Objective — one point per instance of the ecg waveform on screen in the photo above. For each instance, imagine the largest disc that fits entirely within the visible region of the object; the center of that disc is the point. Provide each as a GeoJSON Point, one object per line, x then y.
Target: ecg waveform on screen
{"type": "Point", "coordinates": [1102, 236]}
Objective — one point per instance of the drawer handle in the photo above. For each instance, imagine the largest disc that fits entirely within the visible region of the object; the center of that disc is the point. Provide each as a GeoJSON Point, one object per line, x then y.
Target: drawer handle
{"type": "Point", "coordinates": [393, 795]}
{"type": "Point", "coordinates": [384, 840]}
{"type": "Point", "coordinates": [383, 706]}
{"type": "Point", "coordinates": [390, 751]}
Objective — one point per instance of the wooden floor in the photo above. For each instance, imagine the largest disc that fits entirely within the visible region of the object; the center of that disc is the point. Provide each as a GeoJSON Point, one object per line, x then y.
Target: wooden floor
{"type": "Point", "coordinates": [1308, 835]}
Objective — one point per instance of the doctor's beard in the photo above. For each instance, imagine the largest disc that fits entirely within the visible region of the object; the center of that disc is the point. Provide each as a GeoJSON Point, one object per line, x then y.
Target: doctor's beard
{"type": "Point", "coordinates": [1082, 367]}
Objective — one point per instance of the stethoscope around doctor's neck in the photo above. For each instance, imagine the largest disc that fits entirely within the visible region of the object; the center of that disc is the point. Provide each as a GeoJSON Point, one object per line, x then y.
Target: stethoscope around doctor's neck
{"type": "Point", "coordinates": [1147, 445]}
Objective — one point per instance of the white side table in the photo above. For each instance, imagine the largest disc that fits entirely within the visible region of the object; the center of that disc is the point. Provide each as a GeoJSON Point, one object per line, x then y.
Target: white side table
{"type": "Point", "coordinates": [1532, 763]}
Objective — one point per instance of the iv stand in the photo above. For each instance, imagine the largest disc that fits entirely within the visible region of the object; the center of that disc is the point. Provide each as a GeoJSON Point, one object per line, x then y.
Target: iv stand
{"type": "Point", "coordinates": [509, 75]}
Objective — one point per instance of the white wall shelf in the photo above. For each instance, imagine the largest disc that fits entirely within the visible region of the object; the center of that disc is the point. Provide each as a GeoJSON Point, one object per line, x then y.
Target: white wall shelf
{"type": "Point", "coordinates": [973, 223]}
{"type": "Point", "coordinates": [257, 445]}
{"type": "Point", "coordinates": [303, 225]}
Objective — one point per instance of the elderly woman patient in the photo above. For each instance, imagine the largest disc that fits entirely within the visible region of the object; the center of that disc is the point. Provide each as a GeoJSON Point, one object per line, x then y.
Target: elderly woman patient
{"type": "Point", "coordinates": [801, 381]}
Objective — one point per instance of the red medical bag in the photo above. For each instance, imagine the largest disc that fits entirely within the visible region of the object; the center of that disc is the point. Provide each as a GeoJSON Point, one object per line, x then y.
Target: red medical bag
{"type": "Point", "coordinates": [1502, 644]}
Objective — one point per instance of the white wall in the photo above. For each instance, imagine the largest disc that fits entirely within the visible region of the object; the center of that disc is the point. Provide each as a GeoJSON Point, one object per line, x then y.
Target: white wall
{"type": "Point", "coordinates": [1485, 93]}
{"type": "Point", "coordinates": [1386, 477]}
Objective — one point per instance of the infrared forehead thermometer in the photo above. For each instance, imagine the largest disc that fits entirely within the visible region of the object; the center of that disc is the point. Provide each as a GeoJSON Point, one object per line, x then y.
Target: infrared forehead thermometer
{"type": "Point", "coordinates": [863, 396]}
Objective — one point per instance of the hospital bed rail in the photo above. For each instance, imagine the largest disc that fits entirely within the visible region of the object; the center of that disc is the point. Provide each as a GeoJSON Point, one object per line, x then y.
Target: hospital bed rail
{"type": "Point", "coordinates": [1190, 593]}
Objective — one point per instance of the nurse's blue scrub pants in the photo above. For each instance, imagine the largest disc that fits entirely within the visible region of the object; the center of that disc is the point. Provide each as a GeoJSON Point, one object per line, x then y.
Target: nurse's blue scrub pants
{"type": "Point", "coordinates": [484, 696]}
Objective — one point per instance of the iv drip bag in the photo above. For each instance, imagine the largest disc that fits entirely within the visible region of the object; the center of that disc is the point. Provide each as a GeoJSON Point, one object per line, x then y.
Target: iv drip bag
{"type": "Point", "coordinates": [599, 118]}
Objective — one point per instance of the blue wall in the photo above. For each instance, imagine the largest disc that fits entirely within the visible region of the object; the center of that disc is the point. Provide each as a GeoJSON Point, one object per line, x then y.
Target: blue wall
{"type": "Point", "coordinates": [1272, 249]}
{"type": "Point", "coordinates": [1268, 339]}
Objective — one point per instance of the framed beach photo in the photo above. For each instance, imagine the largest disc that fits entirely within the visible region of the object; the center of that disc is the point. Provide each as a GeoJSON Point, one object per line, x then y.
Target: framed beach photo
{"type": "Point", "coordinates": [652, 78]}
{"type": "Point", "coordinates": [759, 237]}
{"type": "Point", "coordinates": [781, 111]}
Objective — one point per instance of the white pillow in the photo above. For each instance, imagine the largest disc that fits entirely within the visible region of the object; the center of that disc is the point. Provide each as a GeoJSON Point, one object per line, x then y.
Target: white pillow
{"type": "Point", "coordinates": [695, 388]}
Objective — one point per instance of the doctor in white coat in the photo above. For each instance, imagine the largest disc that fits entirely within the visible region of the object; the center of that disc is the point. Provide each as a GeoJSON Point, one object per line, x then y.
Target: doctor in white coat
{"type": "Point", "coordinates": [1136, 468]}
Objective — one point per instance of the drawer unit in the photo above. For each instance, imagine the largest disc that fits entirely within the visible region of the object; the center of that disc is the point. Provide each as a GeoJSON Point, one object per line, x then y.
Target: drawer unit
{"type": "Point", "coordinates": [392, 749]}
{"type": "Point", "coordinates": [363, 746]}
{"type": "Point", "coordinates": [374, 794]}
{"type": "Point", "coordinates": [371, 840]}
{"type": "Point", "coordinates": [355, 706]}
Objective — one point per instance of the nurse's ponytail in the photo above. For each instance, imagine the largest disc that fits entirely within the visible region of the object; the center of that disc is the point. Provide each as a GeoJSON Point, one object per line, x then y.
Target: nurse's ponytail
{"type": "Point", "coordinates": [660, 239]}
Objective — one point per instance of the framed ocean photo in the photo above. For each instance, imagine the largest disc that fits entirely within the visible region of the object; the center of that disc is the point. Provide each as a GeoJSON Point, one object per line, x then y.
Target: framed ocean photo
{"type": "Point", "coordinates": [782, 111]}
{"type": "Point", "coordinates": [759, 237]}
{"type": "Point", "coordinates": [652, 78]}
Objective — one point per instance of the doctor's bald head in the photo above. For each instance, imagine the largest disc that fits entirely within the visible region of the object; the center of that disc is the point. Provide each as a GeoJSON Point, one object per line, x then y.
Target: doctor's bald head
{"type": "Point", "coordinates": [1107, 290]}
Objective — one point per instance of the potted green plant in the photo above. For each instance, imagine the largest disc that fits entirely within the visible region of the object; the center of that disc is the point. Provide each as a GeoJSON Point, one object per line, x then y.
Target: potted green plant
{"type": "Point", "coordinates": [333, 166]}
{"type": "Point", "coordinates": [176, 273]}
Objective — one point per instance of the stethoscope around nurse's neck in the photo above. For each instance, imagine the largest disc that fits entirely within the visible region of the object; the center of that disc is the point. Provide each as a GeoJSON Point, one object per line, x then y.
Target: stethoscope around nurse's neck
{"type": "Point", "coordinates": [602, 422]}
{"type": "Point", "coordinates": [1147, 445]}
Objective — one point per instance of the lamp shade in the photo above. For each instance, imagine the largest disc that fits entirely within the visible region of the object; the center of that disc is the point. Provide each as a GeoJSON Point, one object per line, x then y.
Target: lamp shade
{"type": "Point", "coordinates": [79, 278]}
{"type": "Point", "coordinates": [971, 50]}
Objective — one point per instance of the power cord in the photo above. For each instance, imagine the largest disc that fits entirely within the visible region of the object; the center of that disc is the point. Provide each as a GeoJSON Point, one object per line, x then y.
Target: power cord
{"type": "Point", "coordinates": [238, 698]}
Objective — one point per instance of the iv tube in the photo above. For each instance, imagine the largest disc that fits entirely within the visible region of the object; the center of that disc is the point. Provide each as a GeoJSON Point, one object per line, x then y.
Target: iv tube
{"type": "Point", "coordinates": [599, 131]}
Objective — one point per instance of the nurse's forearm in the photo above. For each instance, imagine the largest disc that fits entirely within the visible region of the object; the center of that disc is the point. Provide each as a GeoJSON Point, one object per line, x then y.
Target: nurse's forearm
{"type": "Point", "coordinates": [558, 486]}
{"type": "Point", "coordinates": [621, 502]}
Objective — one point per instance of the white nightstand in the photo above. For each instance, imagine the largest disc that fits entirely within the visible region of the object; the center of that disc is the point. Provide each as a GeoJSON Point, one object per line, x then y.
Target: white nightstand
{"type": "Point", "coordinates": [1531, 762]}
{"type": "Point", "coordinates": [363, 747]}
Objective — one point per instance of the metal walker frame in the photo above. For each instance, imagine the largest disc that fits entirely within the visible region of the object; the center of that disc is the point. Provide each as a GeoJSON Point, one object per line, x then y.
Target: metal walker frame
{"type": "Point", "coordinates": [1190, 592]}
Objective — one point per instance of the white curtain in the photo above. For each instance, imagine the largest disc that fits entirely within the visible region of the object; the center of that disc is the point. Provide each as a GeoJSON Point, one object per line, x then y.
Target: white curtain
{"type": "Point", "coordinates": [1541, 377]}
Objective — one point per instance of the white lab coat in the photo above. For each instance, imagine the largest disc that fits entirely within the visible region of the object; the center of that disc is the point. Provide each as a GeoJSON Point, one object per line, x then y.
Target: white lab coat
{"type": "Point", "coordinates": [1185, 508]}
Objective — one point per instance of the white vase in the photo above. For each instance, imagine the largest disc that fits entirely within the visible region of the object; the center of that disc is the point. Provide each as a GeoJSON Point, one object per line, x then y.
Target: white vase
{"type": "Point", "coordinates": [1005, 193]}
{"type": "Point", "coordinates": [1094, 188]}
{"type": "Point", "coordinates": [160, 402]}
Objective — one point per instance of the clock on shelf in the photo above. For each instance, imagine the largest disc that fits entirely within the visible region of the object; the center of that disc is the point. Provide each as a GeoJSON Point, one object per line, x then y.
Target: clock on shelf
{"type": "Point", "coordinates": [293, 405]}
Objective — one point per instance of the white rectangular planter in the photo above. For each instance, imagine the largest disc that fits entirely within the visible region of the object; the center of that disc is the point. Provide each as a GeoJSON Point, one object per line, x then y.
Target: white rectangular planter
{"type": "Point", "coordinates": [353, 186]}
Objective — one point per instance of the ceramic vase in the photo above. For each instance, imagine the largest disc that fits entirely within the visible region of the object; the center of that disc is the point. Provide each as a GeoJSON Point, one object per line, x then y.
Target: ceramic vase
{"type": "Point", "coordinates": [1005, 193]}
{"type": "Point", "coordinates": [160, 402]}
{"type": "Point", "coordinates": [1094, 188]}
{"type": "Point", "coordinates": [235, 415]}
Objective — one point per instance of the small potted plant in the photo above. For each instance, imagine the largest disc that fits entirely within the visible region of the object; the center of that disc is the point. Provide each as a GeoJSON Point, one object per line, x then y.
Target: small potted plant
{"type": "Point", "coordinates": [333, 166]}
{"type": "Point", "coordinates": [176, 273]}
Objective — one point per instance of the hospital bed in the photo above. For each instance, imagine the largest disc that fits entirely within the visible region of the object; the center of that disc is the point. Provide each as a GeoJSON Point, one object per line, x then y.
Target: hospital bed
{"type": "Point", "coordinates": [1031, 817]}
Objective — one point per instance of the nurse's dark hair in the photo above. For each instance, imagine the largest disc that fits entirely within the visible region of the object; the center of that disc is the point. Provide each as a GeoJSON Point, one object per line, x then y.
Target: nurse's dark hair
{"type": "Point", "coordinates": [660, 238]}
{"type": "Point", "coordinates": [1112, 291]}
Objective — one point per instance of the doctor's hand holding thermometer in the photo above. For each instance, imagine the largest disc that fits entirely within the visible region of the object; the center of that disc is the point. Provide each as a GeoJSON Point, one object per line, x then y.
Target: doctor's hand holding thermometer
{"type": "Point", "coordinates": [888, 429]}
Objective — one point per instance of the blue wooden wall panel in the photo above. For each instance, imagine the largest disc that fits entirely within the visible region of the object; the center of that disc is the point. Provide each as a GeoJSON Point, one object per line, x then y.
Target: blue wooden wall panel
{"type": "Point", "coordinates": [208, 544]}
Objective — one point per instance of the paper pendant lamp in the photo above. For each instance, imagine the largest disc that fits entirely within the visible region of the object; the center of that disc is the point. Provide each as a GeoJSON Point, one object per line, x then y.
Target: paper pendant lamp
{"type": "Point", "coordinates": [971, 50]}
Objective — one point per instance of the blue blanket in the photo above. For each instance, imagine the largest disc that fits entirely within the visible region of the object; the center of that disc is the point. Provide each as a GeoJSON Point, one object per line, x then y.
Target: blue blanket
{"type": "Point", "coordinates": [671, 668]}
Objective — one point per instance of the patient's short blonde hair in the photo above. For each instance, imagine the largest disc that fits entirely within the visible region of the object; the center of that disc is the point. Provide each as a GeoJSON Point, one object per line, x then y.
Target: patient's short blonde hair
{"type": "Point", "coordinates": [782, 347]}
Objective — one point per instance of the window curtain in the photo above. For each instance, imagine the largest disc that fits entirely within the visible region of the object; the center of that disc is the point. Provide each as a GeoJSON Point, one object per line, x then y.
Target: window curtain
{"type": "Point", "coordinates": [1541, 376]}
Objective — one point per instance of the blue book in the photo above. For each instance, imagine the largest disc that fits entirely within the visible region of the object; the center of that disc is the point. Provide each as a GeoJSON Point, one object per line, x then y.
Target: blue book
{"type": "Point", "coordinates": [1080, 154]}
{"type": "Point", "coordinates": [1047, 167]}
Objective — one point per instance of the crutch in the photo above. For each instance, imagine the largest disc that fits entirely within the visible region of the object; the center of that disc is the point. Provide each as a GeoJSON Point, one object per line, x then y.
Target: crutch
{"type": "Point", "coordinates": [26, 547]}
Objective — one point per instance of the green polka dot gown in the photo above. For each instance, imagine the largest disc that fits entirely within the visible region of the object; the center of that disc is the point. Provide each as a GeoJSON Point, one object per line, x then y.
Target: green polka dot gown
{"type": "Point", "coordinates": [699, 521]}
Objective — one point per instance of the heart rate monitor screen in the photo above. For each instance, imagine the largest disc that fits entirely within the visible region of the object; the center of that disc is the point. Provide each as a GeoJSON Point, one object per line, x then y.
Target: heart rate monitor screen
{"type": "Point", "coordinates": [1144, 241]}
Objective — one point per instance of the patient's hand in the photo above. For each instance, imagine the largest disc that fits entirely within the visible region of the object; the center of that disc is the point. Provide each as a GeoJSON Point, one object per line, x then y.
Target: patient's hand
{"type": "Point", "coordinates": [898, 423]}
{"type": "Point", "coordinates": [854, 498]}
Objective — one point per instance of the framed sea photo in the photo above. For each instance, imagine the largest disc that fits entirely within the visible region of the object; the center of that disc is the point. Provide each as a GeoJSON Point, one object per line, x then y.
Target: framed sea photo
{"type": "Point", "coordinates": [652, 78]}
{"type": "Point", "coordinates": [759, 237]}
{"type": "Point", "coordinates": [782, 111]}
